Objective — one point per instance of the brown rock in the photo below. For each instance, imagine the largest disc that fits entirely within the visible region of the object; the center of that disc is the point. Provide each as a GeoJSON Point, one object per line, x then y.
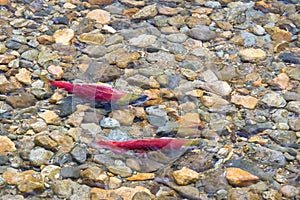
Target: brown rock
{"type": "Point", "coordinates": [24, 76]}
{"type": "Point", "coordinates": [169, 30]}
{"type": "Point", "coordinates": [65, 142]}
{"type": "Point", "coordinates": [126, 193]}
{"type": "Point", "coordinates": [50, 117]}
{"type": "Point", "coordinates": [6, 58]}
{"type": "Point", "coordinates": [191, 120]}
{"type": "Point", "coordinates": [101, 16]}
{"type": "Point", "coordinates": [252, 55]}
{"type": "Point", "coordinates": [224, 25]}
{"type": "Point", "coordinates": [6, 145]}
{"type": "Point", "coordinates": [56, 71]}
{"type": "Point", "coordinates": [246, 101]}
{"type": "Point", "coordinates": [129, 12]}
{"type": "Point", "coordinates": [133, 3]}
{"type": "Point", "coordinates": [95, 174]}
{"type": "Point", "coordinates": [146, 12]}
{"type": "Point", "coordinates": [141, 177]}
{"type": "Point", "coordinates": [13, 177]}
{"type": "Point", "coordinates": [154, 97]}
{"type": "Point", "coordinates": [185, 176]}
{"type": "Point", "coordinates": [281, 35]}
{"type": "Point", "coordinates": [164, 10]}
{"type": "Point", "coordinates": [44, 140]}
{"type": "Point", "coordinates": [92, 38]}
{"type": "Point", "coordinates": [100, 2]}
{"type": "Point", "coordinates": [64, 36]}
{"type": "Point", "coordinates": [282, 80]}
{"type": "Point", "coordinates": [5, 85]}
{"type": "Point", "coordinates": [243, 193]}
{"type": "Point", "coordinates": [239, 177]}
{"type": "Point", "coordinates": [21, 100]}
{"type": "Point", "coordinates": [45, 39]}
{"type": "Point", "coordinates": [4, 2]}
{"type": "Point", "coordinates": [125, 117]}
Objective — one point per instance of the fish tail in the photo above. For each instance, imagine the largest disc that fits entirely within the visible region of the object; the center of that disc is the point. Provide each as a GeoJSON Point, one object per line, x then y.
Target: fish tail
{"type": "Point", "coordinates": [108, 145]}
{"type": "Point", "coordinates": [44, 78]}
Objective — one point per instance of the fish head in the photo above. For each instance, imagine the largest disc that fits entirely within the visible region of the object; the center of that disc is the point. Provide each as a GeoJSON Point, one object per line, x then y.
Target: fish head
{"type": "Point", "coordinates": [140, 100]}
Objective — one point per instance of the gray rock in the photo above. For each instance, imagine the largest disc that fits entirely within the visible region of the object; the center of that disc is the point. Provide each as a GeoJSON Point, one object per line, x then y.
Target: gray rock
{"type": "Point", "coordinates": [283, 137]}
{"type": "Point", "coordinates": [162, 58]}
{"type": "Point", "coordinates": [109, 123]}
{"type": "Point", "coordinates": [79, 153]}
{"type": "Point", "coordinates": [120, 168]}
{"type": "Point", "coordinates": [202, 33]}
{"type": "Point", "coordinates": [95, 51]}
{"type": "Point", "coordinates": [143, 40]}
{"type": "Point", "coordinates": [70, 172]}
{"type": "Point", "coordinates": [213, 4]}
{"type": "Point", "coordinates": [118, 135]}
{"type": "Point", "coordinates": [63, 188]}
{"type": "Point", "coordinates": [257, 29]}
{"type": "Point", "coordinates": [294, 123]}
{"type": "Point", "coordinates": [103, 159]}
{"type": "Point", "coordinates": [178, 37]}
{"type": "Point", "coordinates": [30, 55]}
{"type": "Point", "coordinates": [249, 39]}
{"type": "Point", "coordinates": [274, 99]}
{"type": "Point", "coordinates": [267, 156]}
{"type": "Point", "coordinates": [151, 71]}
{"type": "Point", "coordinates": [294, 106]}
{"type": "Point", "coordinates": [157, 116]}
{"type": "Point", "coordinates": [280, 116]}
{"type": "Point", "coordinates": [292, 96]}
{"type": "Point", "coordinates": [40, 156]}
{"type": "Point", "coordinates": [139, 81]}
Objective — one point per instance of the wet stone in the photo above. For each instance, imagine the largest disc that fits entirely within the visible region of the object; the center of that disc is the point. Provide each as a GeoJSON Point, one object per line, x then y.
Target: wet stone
{"type": "Point", "coordinates": [143, 40]}
{"type": "Point", "coordinates": [120, 168]}
{"type": "Point", "coordinates": [284, 138]}
{"type": "Point", "coordinates": [21, 100]}
{"type": "Point", "coordinates": [289, 191]}
{"type": "Point", "coordinates": [239, 177]}
{"type": "Point", "coordinates": [268, 156]}
{"type": "Point", "coordinates": [294, 106]}
{"type": "Point", "coordinates": [274, 99]}
{"type": "Point", "coordinates": [40, 156]}
{"type": "Point", "coordinates": [146, 12]}
{"type": "Point", "coordinates": [7, 145]}
{"type": "Point", "coordinates": [202, 33]}
{"type": "Point", "coordinates": [70, 172]}
{"type": "Point", "coordinates": [79, 153]}
{"type": "Point", "coordinates": [156, 116]}
{"type": "Point", "coordinates": [101, 16]}
{"type": "Point", "coordinates": [109, 123]}
{"type": "Point", "coordinates": [185, 176]}
{"type": "Point", "coordinates": [178, 38]}
{"type": "Point", "coordinates": [252, 55]}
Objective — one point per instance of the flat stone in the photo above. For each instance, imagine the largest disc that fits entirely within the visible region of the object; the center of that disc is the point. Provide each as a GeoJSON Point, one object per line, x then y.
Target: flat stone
{"type": "Point", "coordinates": [134, 3]}
{"type": "Point", "coordinates": [70, 172]}
{"type": "Point", "coordinates": [50, 117]}
{"type": "Point", "coordinates": [146, 12]}
{"type": "Point", "coordinates": [274, 99]}
{"type": "Point", "coordinates": [202, 33]}
{"type": "Point", "coordinates": [282, 80]}
{"type": "Point", "coordinates": [119, 168]}
{"type": "Point", "coordinates": [56, 70]}
{"type": "Point", "coordinates": [294, 106]}
{"type": "Point", "coordinates": [143, 40]}
{"type": "Point", "coordinates": [100, 2]}
{"type": "Point", "coordinates": [141, 177]}
{"type": "Point", "coordinates": [79, 153]}
{"type": "Point", "coordinates": [165, 10]}
{"type": "Point", "coordinates": [246, 101]}
{"type": "Point", "coordinates": [109, 123]}
{"type": "Point", "coordinates": [6, 58]}
{"type": "Point", "coordinates": [95, 174]}
{"type": "Point", "coordinates": [252, 55]}
{"type": "Point", "coordinates": [64, 36]}
{"type": "Point", "coordinates": [45, 39]}
{"type": "Point", "coordinates": [44, 140]}
{"type": "Point", "coordinates": [185, 176]}
{"type": "Point", "coordinates": [239, 177]}
{"type": "Point", "coordinates": [92, 38]}
{"type": "Point", "coordinates": [40, 156]}
{"type": "Point", "coordinates": [289, 191]}
{"type": "Point", "coordinates": [125, 117]}
{"type": "Point", "coordinates": [7, 145]}
{"type": "Point", "coordinates": [101, 16]}
{"type": "Point", "coordinates": [21, 100]}
{"type": "Point", "coordinates": [24, 76]}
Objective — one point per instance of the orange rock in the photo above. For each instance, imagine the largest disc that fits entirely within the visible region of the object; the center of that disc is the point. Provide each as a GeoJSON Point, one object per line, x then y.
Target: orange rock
{"type": "Point", "coordinates": [185, 176]}
{"type": "Point", "coordinates": [141, 177]}
{"type": "Point", "coordinates": [101, 16]}
{"type": "Point", "coordinates": [246, 101]}
{"type": "Point", "coordinates": [129, 12]}
{"type": "Point", "coordinates": [282, 80]}
{"type": "Point", "coordinates": [164, 10]}
{"type": "Point", "coordinates": [45, 39]}
{"type": "Point", "coordinates": [6, 145]}
{"type": "Point", "coordinates": [4, 2]}
{"type": "Point", "coordinates": [239, 177]}
{"type": "Point", "coordinates": [281, 35]}
{"type": "Point", "coordinates": [100, 2]}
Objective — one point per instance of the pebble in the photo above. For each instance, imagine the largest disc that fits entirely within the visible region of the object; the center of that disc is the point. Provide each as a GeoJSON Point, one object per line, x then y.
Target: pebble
{"type": "Point", "coordinates": [125, 117]}
{"type": "Point", "coordinates": [202, 33]}
{"type": "Point", "coordinates": [268, 156]}
{"type": "Point", "coordinates": [40, 156]}
{"type": "Point", "coordinates": [92, 38]}
{"type": "Point", "coordinates": [146, 12]}
{"type": "Point", "coordinates": [101, 16]}
{"type": "Point", "coordinates": [141, 177]}
{"type": "Point", "coordinates": [50, 117]}
{"type": "Point", "coordinates": [44, 140]}
{"type": "Point", "coordinates": [70, 172]}
{"type": "Point", "coordinates": [56, 71]}
{"type": "Point", "coordinates": [274, 99]}
{"type": "Point", "coordinates": [64, 36]}
{"type": "Point", "coordinates": [143, 40]}
{"type": "Point", "coordinates": [7, 145]}
{"type": "Point", "coordinates": [252, 55]}
{"type": "Point", "coordinates": [185, 176]}
{"type": "Point", "coordinates": [246, 101]}
{"type": "Point", "coordinates": [79, 153]}
{"type": "Point", "coordinates": [24, 76]}
{"type": "Point", "coordinates": [294, 106]}
{"type": "Point", "coordinates": [21, 100]}
{"type": "Point", "coordinates": [239, 177]}
{"type": "Point", "coordinates": [157, 116]}
{"type": "Point", "coordinates": [95, 175]}
{"type": "Point", "coordinates": [119, 168]}
{"type": "Point", "coordinates": [109, 123]}
{"type": "Point", "coordinates": [50, 172]}
{"type": "Point", "coordinates": [289, 191]}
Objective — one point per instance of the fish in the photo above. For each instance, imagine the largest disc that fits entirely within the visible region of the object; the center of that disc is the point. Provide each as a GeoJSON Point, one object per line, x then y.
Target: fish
{"type": "Point", "coordinates": [98, 92]}
{"type": "Point", "coordinates": [144, 145]}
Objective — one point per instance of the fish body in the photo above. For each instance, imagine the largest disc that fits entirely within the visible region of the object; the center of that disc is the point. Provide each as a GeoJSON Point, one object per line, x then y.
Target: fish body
{"type": "Point", "coordinates": [143, 144]}
{"type": "Point", "coordinates": [98, 92]}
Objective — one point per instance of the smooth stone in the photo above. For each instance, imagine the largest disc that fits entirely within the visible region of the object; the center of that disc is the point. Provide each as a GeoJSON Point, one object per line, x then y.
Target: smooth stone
{"type": "Point", "coordinates": [156, 116]}
{"type": "Point", "coordinates": [24, 76]}
{"type": "Point", "coordinates": [143, 40]}
{"type": "Point", "coordinates": [120, 168]}
{"type": "Point", "coordinates": [92, 38]}
{"type": "Point", "coordinates": [178, 37]}
{"type": "Point", "coordinates": [294, 124]}
{"type": "Point", "coordinates": [64, 36]}
{"type": "Point", "coordinates": [236, 193]}
{"type": "Point", "coordinates": [268, 156]}
{"type": "Point", "coordinates": [79, 153]}
{"type": "Point", "coordinates": [239, 177]}
{"type": "Point", "coordinates": [40, 156]}
{"type": "Point", "coordinates": [6, 145]}
{"type": "Point", "coordinates": [294, 106]}
{"type": "Point", "coordinates": [246, 101]}
{"type": "Point", "coordinates": [290, 57]}
{"type": "Point", "coordinates": [50, 117]}
{"type": "Point", "coordinates": [109, 123]}
{"type": "Point", "coordinates": [185, 176]}
{"type": "Point", "coordinates": [22, 100]}
{"type": "Point", "coordinates": [70, 172]}
{"type": "Point", "coordinates": [252, 55]}
{"type": "Point", "coordinates": [91, 127]}
{"type": "Point", "coordinates": [282, 137]}
{"type": "Point", "coordinates": [202, 33]}
{"type": "Point", "coordinates": [139, 81]}
{"type": "Point", "coordinates": [30, 55]}
{"type": "Point", "coordinates": [44, 140]}
{"type": "Point", "coordinates": [146, 12]}
{"type": "Point", "coordinates": [274, 99]}
{"type": "Point", "coordinates": [101, 16]}
{"type": "Point", "coordinates": [289, 191]}
{"type": "Point", "coordinates": [95, 175]}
